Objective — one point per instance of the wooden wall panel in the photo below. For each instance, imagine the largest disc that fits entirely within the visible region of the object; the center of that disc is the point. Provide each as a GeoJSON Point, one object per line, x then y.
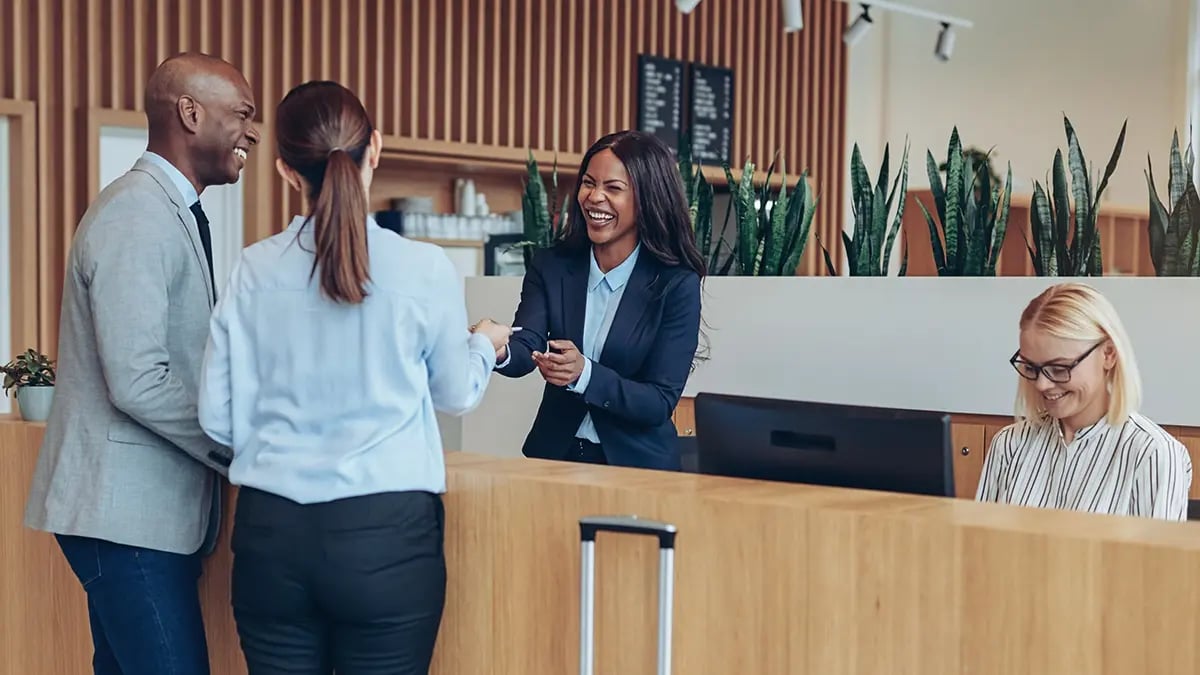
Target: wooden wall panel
{"type": "Point", "coordinates": [483, 81]}
{"type": "Point", "coordinates": [22, 268]}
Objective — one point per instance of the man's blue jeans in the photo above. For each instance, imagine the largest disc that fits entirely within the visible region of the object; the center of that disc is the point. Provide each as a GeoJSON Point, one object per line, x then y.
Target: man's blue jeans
{"type": "Point", "coordinates": [144, 608]}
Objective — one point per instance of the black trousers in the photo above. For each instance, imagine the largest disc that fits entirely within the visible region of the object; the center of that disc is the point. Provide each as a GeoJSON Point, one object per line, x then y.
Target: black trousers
{"type": "Point", "coordinates": [355, 586]}
{"type": "Point", "coordinates": [583, 450]}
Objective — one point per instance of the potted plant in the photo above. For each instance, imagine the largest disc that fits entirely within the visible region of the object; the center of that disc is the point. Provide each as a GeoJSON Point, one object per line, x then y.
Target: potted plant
{"type": "Point", "coordinates": [1174, 232]}
{"type": "Point", "coordinates": [869, 250]}
{"type": "Point", "coordinates": [971, 213]}
{"type": "Point", "coordinates": [32, 375]}
{"type": "Point", "coordinates": [1065, 241]}
{"type": "Point", "coordinates": [772, 229]}
{"type": "Point", "coordinates": [543, 215]}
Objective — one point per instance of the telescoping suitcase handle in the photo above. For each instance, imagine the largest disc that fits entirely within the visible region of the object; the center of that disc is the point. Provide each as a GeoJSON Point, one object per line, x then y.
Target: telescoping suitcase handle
{"type": "Point", "coordinates": [588, 528]}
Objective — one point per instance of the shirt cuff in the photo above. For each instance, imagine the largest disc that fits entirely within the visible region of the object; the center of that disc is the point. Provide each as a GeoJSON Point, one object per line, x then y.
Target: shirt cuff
{"type": "Point", "coordinates": [481, 345]}
{"type": "Point", "coordinates": [579, 386]}
{"type": "Point", "coordinates": [507, 359]}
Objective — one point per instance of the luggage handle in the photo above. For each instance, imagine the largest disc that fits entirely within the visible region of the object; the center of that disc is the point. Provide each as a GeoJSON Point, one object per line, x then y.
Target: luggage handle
{"type": "Point", "coordinates": [589, 527]}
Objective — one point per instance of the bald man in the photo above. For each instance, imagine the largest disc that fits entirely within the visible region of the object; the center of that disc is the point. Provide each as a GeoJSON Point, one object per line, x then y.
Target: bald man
{"type": "Point", "coordinates": [126, 479]}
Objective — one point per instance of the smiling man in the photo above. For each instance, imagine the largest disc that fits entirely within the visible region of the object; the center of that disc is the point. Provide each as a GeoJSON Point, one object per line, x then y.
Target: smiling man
{"type": "Point", "coordinates": [126, 479]}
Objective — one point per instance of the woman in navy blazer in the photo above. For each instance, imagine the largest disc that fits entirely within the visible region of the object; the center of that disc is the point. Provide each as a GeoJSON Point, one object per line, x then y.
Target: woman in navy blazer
{"type": "Point", "coordinates": [610, 316]}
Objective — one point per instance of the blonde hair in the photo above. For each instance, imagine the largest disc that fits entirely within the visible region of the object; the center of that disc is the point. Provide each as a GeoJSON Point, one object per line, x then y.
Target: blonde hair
{"type": "Point", "coordinates": [1075, 311]}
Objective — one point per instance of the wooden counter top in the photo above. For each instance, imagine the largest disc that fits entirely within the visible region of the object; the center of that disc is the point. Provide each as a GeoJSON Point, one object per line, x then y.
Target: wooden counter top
{"type": "Point", "coordinates": [770, 578]}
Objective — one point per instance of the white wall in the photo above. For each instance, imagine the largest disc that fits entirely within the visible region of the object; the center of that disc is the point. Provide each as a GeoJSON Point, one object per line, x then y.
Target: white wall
{"type": "Point", "coordinates": [915, 342]}
{"type": "Point", "coordinates": [1011, 78]}
{"type": "Point", "coordinates": [120, 147]}
{"type": "Point", "coordinates": [6, 349]}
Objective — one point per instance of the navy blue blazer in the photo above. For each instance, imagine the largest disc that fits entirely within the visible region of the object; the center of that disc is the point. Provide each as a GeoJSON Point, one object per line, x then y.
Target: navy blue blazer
{"type": "Point", "coordinates": [639, 377]}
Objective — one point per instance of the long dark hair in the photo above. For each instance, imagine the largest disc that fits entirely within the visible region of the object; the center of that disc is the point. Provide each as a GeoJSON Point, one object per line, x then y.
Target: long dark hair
{"type": "Point", "coordinates": [322, 133]}
{"type": "Point", "coordinates": [663, 224]}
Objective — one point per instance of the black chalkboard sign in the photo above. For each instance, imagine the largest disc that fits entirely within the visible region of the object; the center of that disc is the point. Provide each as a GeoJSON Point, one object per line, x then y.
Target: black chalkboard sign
{"type": "Point", "coordinates": [660, 98]}
{"type": "Point", "coordinates": [711, 110]}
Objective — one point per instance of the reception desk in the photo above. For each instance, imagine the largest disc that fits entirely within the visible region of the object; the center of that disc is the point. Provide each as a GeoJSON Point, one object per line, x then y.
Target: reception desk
{"type": "Point", "coordinates": [770, 578]}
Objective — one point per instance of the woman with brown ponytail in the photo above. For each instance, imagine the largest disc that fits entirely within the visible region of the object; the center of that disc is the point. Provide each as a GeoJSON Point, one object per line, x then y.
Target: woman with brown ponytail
{"type": "Point", "coordinates": [330, 351]}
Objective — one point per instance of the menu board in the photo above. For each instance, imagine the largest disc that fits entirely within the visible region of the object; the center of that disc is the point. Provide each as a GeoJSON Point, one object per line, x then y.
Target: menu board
{"type": "Point", "coordinates": [660, 98]}
{"type": "Point", "coordinates": [711, 113]}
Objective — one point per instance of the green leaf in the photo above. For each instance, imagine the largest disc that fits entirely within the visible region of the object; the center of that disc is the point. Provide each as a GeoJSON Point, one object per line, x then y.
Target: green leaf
{"type": "Point", "coordinates": [902, 179]}
{"type": "Point", "coordinates": [1067, 254]}
{"type": "Point", "coordinates": [747, 219]}
{"type": "Point", "coordinates": [851, 255]}
{"type": "Point", "coordinates": [1001, 227]}
{"type": "Point", "coordinates": [1176, 180]}
{"type": "Point", "coordinates": [703, 223]}
{"type": "Point", "coordinates": [534, 208]}
{"type": "Point", "coordinates": [1183, 225]}
{"type": "Point", "coordinates": [804, 197]}
{"type": "Point", "coordinates": [712, 264]}
{"type": "Point", "coordinates": [1110, 167]}
{"type": "Point", "coordinates": [1085, 223]}
{"type": "Point", "coordinates": [869, 263]}
{"type": "Point", "coordinates": [773, 255]}
{"type": "Point", "coordinates": [829, 268]}
{"type": "Point", "coordinates": [883, 170]}
{"type": "Point", "coordinates": [935, 187]}
{"type": "Point", "coordinates": [1158, 223]}
{"type": "Point", "coordinates": [952, 224]}
{"type": "Point", "coordinates": [939, 257]}
{"type": "Point", "coordinates": [980, 225]}
{"type": "Point", "coordinates": [1041, 224]}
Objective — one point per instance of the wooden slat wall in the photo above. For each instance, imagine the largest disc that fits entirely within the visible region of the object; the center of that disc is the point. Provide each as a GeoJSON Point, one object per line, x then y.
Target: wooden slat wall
{"type": "Point", "coordinates": [497, 76]}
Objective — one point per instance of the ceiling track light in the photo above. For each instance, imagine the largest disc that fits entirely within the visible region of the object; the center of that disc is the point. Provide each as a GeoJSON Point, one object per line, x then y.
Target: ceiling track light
{"type": "Point", "coordinates": [855, 31]}
{"type": "Point", "coordinates": [945, 43]}
{"type": "Point", "coordinates": [945, 39]}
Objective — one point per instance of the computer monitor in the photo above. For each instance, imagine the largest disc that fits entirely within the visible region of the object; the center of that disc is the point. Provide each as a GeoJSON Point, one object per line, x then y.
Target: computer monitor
{"type": "Point", "coordinates": [825, 444]}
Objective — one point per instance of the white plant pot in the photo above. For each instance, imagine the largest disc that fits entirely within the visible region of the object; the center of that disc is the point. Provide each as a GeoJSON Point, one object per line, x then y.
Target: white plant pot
{"type": "Point", "coordinates": [35, 403]}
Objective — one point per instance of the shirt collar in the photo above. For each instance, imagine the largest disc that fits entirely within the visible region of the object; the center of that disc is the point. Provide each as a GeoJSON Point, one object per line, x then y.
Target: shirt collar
{"type": "Point", "coordinates": [1081, 433]}
{"type": "Point", "coordinates": [617, 276]}
{"type": "Point", "coordinates": [298, 221]}
{"type": "Point", "coordinates": [181, 183]}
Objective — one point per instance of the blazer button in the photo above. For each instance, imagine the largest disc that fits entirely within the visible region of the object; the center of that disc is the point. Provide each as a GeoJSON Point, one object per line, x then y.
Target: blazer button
{"type": "Point", "coordinates": [607, 404]}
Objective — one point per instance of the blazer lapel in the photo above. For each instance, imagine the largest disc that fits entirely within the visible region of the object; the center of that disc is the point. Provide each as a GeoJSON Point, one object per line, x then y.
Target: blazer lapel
{"type": "Point", "coordinates": [187, 220]}
{"type": "Point", "coordinates": [574, 299]}
{"type": "Point", "coordinates": [634, 303]}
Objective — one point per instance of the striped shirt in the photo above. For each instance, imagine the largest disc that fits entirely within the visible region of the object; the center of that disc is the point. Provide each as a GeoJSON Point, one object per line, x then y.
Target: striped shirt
{"type": "Point", "coordinates": [1136, 469]}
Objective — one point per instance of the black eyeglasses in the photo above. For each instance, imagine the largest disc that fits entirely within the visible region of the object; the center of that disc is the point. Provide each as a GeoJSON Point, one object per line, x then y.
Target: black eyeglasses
{"type": "Point", "coordinates": [1055, 372]}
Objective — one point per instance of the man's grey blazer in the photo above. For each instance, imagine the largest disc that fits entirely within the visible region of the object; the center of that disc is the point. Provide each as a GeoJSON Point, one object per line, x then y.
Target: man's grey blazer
{"type": "Point", "coordinates": [124, 458]}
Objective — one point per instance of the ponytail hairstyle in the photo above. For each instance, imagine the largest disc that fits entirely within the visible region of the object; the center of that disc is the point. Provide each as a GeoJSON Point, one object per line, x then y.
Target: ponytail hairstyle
{"type": "Point", "coordinates": [322, 133]}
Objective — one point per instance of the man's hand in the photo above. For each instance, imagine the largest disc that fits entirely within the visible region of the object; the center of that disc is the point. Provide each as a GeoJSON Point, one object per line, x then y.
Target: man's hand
{"type": "Point", "coordinates": [497, 333]}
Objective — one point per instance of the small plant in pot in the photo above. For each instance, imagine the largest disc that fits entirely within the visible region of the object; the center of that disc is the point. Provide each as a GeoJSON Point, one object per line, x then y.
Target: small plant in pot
{"type": "Point", "coordinates": [32, 375]}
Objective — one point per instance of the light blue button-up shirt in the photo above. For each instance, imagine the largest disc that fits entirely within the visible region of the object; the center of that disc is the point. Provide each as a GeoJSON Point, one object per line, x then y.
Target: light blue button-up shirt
{"type": "Point", "coordinates": [180, 181]}
{"type": "Point", "coordinates": [603, 299]}
{"type": "Point", "coordinates": [322, 401]}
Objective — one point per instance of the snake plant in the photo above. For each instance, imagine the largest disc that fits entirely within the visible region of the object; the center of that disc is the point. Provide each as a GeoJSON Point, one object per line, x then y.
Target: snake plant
{"type": "Point", "coordinates": [972, 214]}
{"type": "Point", "coordinates": [1175, 234]}
{"type": "Point", "coordinates": [699, 193]}
{"type": "Point", "coordinates": [1058, 249]}
{"type": "Point", "coordinates": [772, 229]}
{"type": "Point", "coordinates": [542, 225]}
{"type": "Point", "coordinates": [869, 251]}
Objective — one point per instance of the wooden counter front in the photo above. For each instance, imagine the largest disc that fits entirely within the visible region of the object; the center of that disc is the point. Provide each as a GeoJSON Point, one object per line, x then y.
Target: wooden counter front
{"type": "Point", "coordinates": [770, 578]}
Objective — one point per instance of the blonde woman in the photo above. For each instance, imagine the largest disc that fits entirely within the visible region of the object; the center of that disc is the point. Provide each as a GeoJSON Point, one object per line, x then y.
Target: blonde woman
{"type": "Point", "coordinates": [1079, 442]}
